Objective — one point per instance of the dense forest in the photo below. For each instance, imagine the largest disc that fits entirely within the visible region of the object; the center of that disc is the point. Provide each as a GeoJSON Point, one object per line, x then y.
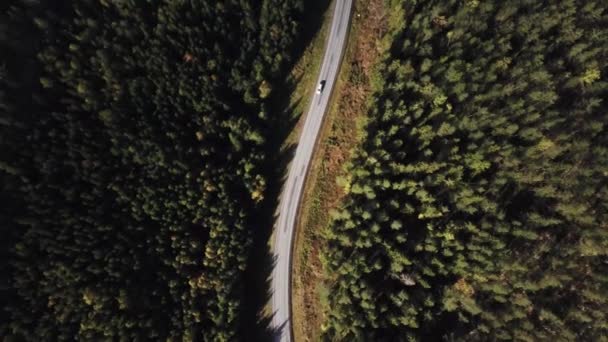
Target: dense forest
{"type": "Point", "coordinates": [132, 162]}
{"type": "Point", "coordinates": [477, 205]}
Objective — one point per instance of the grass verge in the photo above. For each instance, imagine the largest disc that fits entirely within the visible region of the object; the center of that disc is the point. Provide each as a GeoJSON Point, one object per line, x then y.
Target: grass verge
{"type": "Point", "coordinates": [340, 134]}
{"type": "Point", "coordinates": [286, 103]}
{"type": "Point", "coordinates": [304, 75]}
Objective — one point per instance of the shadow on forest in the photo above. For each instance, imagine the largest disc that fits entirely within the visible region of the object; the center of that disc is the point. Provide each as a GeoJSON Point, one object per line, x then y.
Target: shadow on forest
{"type": "Point", "coordinates": [255, 322]}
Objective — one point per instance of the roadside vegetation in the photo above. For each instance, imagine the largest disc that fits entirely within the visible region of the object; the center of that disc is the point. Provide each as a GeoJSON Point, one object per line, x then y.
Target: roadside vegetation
{"type": "Point", "coordinates": [476, 205]}
{"type": "Point", "coordinates": [340, 133]}
{"type": "Point", "coordinates": [133, 162]}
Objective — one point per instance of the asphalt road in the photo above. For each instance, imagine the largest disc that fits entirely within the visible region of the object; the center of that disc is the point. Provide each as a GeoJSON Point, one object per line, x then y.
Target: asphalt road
{"type": "Point", "coordinates": [292, 190]}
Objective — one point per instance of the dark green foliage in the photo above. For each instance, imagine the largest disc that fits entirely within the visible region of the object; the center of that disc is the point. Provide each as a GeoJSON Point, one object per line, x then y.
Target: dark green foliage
{"type": "Point", "coordinates": [477, 206]}
{"type": "Point", "coordinates": [131, 157]}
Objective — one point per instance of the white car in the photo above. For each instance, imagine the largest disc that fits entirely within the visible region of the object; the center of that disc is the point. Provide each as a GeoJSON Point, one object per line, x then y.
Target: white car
{"type": "Point", "coordinates": [320, 87]}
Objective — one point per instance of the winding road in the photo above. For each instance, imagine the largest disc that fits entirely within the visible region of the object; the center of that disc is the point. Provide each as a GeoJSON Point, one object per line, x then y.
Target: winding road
{"type": "Point", "coordinates": [294, 186]}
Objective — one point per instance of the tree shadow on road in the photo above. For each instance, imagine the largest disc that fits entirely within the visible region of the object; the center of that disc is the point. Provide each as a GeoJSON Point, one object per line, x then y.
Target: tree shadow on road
{"type": "Point", "coordinates": [255, 317]}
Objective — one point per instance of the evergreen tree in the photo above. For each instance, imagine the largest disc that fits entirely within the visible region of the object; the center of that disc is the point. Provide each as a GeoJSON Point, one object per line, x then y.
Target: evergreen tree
{"type": "Point", "coordinates": [486, 149]}
{"type": "Point", "coordinates": [132, 158]}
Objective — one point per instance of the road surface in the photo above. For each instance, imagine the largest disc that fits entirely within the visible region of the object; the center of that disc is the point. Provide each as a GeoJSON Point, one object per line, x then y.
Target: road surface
{"type": "Point", "coordinates": [292, 190]}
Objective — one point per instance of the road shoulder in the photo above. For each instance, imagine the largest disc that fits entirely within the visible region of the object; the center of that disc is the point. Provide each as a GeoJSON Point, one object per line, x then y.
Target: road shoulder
{"type": "Point", "coordinates": [340, 134]}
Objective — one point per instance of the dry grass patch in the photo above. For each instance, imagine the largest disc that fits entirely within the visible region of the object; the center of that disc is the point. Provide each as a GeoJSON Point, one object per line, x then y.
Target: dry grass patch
{"type": "Point", "coordinates": [340, 134]}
